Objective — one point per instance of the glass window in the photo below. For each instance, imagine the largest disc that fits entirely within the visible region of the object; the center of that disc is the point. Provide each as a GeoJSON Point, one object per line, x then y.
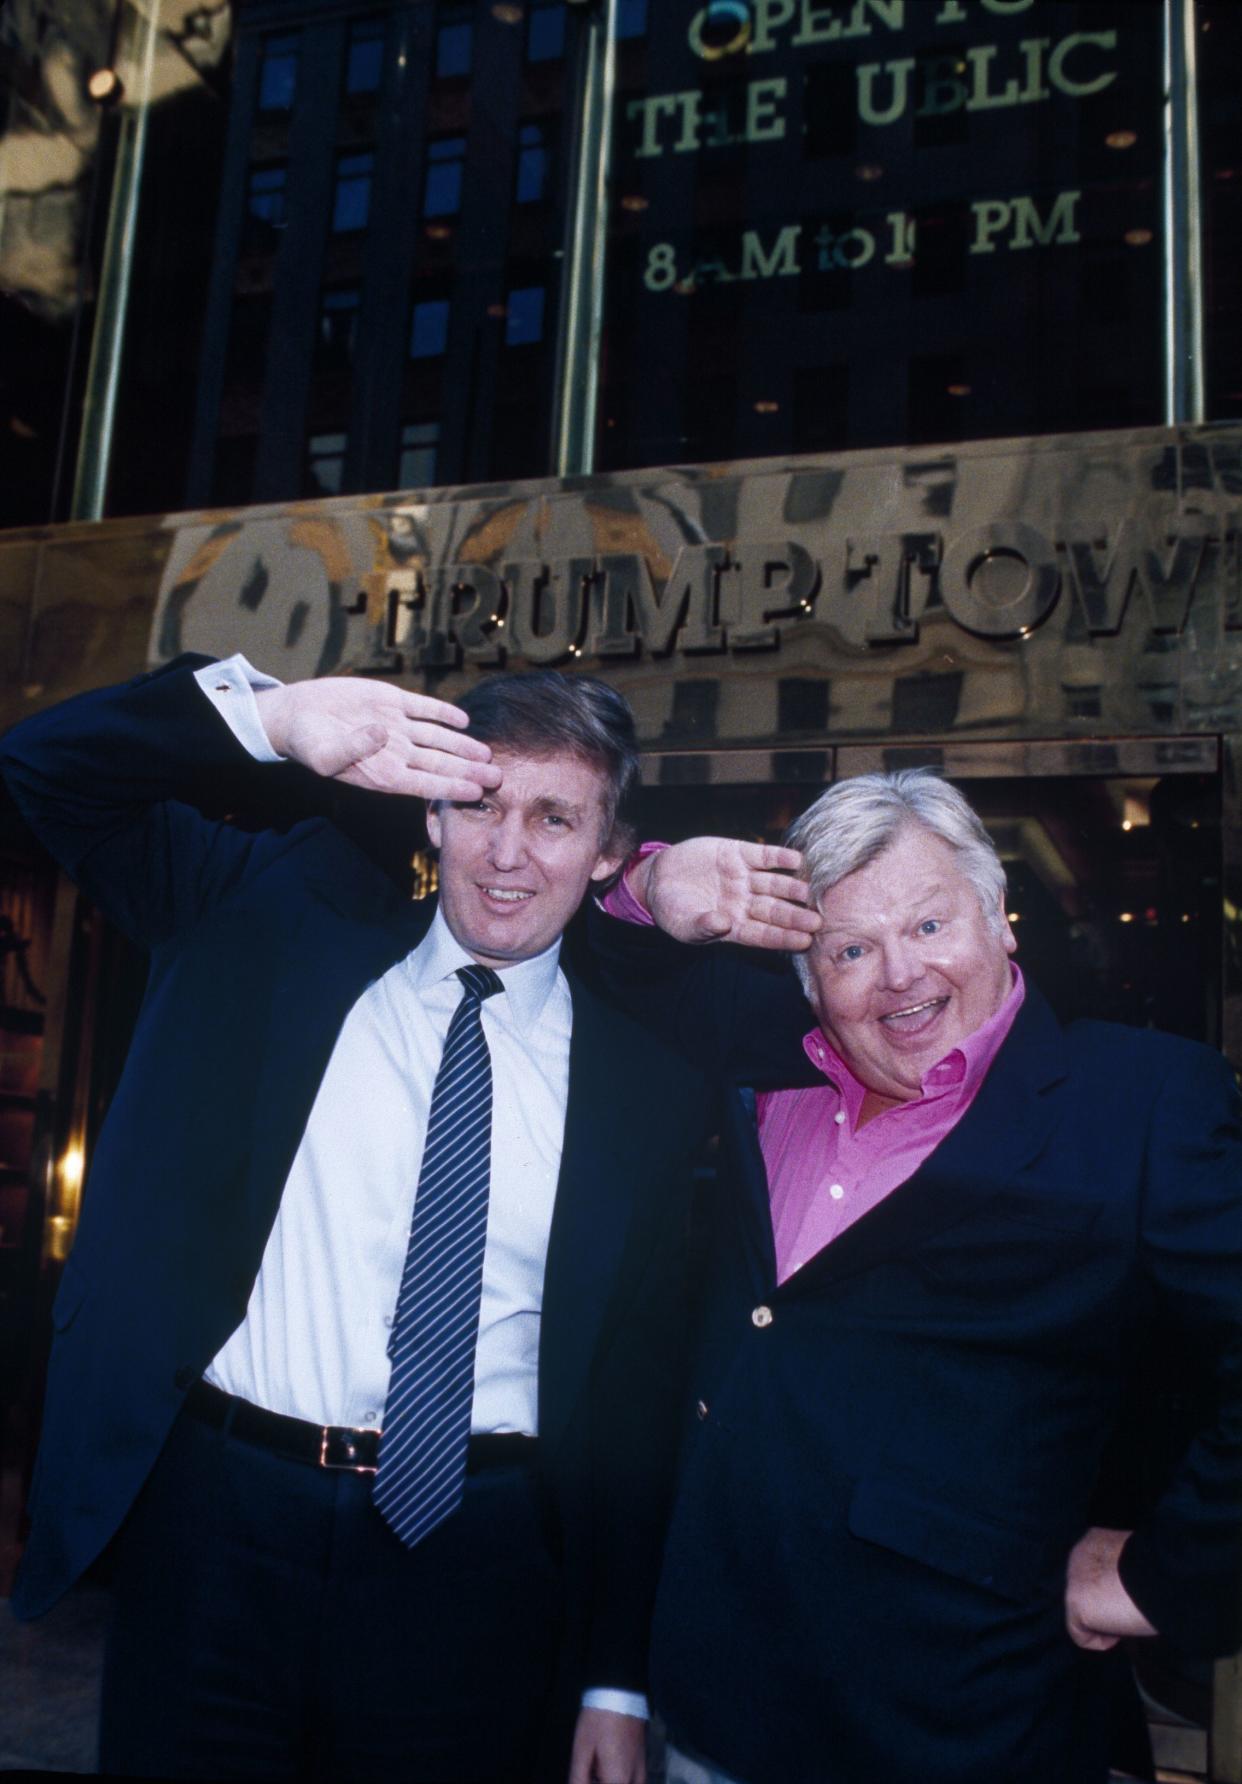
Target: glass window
{"type": "Point", "coordinates": [545, 33]}
{"type": "Point", "coordinates": [429, 328]}
{"type": "Point", "coordinates": [442, 180]}
{"type": "Point", "coordinates": [533, 161]}
{"type": "Point", "coordinates": [351, 199]}
{"type": "Point", "coordinates": [631, 18]}
{"type": "Point", "coordinates": [278, 73]}
{"type": "Point", "coordinates": [338, 323]}
{"type": "Point", "coordinates": [958, 202]}
{"type": "Point", "coordinates": [416, 467]}
{"type": "Point", "coordinates": [524, 316]}
{"type": "Point", "coordinates": [325, 464]}
{"type": "Point", "coordinates": [266, 198]}
{"type": "Point", "coordinates": [454, 43]}
{"type": "Point", "coordinates": [364, 58]}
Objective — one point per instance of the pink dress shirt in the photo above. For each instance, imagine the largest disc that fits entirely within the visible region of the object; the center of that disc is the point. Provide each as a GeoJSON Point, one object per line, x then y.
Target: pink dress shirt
{"type": "Point", "coordinates": [824, 1172]}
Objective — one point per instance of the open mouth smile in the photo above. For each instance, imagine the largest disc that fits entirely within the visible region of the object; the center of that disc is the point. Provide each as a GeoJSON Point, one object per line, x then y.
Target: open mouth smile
{"type": "Point", "coordinates": [918, 1017]}
{"type": "Point", "coordinates": [505, 895]}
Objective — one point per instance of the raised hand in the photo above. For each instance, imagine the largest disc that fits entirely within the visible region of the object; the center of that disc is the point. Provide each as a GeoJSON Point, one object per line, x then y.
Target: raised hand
{"type": "Point", "coordinates": [715, 889]}
{"type": "Point", "coordinates": [372, 734]}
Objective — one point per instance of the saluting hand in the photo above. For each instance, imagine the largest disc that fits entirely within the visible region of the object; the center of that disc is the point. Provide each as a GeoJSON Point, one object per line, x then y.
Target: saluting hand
{"type": "Point", "coordinates": [372, 734]}
{"type": "Point", "coordinates": [715, 889]}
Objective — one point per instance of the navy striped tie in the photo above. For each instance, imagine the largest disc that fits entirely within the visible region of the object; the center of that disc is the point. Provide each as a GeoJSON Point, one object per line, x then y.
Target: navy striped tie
{"type": "Point", "coordinates": [422, 1459]}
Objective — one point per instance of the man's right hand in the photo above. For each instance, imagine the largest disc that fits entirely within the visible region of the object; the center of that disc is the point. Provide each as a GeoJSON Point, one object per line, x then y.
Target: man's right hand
{"type": "Point", "coordinates": [713, 889]}
{"type": "Point", "coordinates": [372, 734]}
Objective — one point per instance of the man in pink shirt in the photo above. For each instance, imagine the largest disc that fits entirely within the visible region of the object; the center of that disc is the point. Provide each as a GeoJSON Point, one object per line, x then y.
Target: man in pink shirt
{"type": "Point", "coordinates": [941, 1221]}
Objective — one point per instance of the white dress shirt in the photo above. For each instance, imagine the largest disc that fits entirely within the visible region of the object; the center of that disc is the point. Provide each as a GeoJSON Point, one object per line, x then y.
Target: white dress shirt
{"type": "Point", "coordinates": [313, 1342]}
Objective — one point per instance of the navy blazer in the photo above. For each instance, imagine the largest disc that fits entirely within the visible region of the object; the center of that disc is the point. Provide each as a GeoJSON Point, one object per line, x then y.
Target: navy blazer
{"type": "Point", "coordinates": [882, 1475]}
{"type": "Point", "coordinates": [259, 944]}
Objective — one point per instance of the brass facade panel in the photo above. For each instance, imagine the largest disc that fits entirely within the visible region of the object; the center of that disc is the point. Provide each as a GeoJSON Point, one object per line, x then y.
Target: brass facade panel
{"type": "Point", "coordinates": [1083, 586]}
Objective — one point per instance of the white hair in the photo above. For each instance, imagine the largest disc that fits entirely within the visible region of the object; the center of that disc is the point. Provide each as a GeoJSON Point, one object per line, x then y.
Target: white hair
{"type": "Point", "coordinates": [856, 820]}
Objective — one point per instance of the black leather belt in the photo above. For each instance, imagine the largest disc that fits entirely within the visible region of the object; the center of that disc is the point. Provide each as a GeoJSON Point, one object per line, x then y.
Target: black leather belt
{"type": "Point", "coordinates": [335, 1446]}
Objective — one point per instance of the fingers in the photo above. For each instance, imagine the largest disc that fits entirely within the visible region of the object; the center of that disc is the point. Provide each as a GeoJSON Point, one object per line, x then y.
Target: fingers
{"type": "Point", "coordinates": [780, 885]}
{"type": "Point", "coordinates": [769, 857]}
{"type": "Point", "coordinates": [772, 936]}
{"type": "Point", "coordinates": [426, 734]}
{"type": "Point", "coordinates": [785, 915]}
{"type": "Point", "coordinates": [435, 712]}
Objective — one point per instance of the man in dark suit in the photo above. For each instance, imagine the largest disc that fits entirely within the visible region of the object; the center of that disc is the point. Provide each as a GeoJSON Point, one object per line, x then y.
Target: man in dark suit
{"type": "Point", "coordinates": [249, 1297]}
{"type": "Point", "coordinates": [943, 1223]}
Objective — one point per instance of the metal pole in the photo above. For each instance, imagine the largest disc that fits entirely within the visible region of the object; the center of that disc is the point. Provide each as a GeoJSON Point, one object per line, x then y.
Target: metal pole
{"type": "Point", "coordinates": [582, 317]}
{"type": "Point", "coordinates": [1183, 221]}
{"type": "Point", "coordinates": [90, 484]}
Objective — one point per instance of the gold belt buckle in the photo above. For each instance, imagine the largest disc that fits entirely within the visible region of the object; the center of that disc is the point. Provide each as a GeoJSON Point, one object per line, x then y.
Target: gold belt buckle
{"type": "Point", "coordinates": [350, 1464]}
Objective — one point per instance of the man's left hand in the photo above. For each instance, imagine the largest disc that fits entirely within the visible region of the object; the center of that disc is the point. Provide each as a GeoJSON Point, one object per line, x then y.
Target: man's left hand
{"type": "Point", "coordinates": [712, 889]}
{"type": "Point", "coordinates": [609, 1749]}
{"type": "Point", "coordinates": [1098, 1609]}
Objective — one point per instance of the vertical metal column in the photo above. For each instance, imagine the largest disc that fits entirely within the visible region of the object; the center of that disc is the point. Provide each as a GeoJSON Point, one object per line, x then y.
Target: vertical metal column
{"type": "Point", "coordinates": [576, 393]}
{"type": "Point", "coordinates": [1183, 221]}
{"type": "Point", "coordinates": [90, 484]}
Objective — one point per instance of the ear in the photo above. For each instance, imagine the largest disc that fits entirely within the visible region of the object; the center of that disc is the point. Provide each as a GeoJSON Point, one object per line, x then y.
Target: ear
{"type": "Point", "coordinates": [1008, 939]}
{"type": "Point", "coordinates": [434, 828]}
{"type": "Point", "coordinates": [607, 864]}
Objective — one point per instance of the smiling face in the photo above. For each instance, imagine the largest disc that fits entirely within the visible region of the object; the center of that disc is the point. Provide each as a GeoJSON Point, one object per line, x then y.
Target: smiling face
{"type": "Point", "coordinates": [906, 964]}
{"type": "Point", "coordinates": [515, 867]}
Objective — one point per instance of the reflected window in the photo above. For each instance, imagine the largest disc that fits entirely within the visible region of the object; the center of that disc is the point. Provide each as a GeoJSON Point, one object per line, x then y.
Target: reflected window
{"type": "Point", "coordinates": [325, 464]}
{"type": "Point", "coordinates": [351, 198]}
{"type": "Point", "coordinates": [801, 705]}
{"type": "Point", "coordinates": [338, 324]}
{"type": "Point", "coordinates": [364, 58]}
{"type": "Point", "coordinates": [442, 180]}
{"type": "Point", "coordinates": [429, 328]}
{"type": "Point", "coordinates": [278, 73]}
{"type": "Point", "coordinates": [524, 316]}
{"type": "Point", "coordinates": [267, 198]}
{"type": "Point", "coordinates": [631, 18]}
{"type": "Point", "coordinates": [533, 161]}
{"type": "Point", "coordinates": [454, 43]}
{"type": "Point", "coordinates": [545, 32]}
{"type": "Point", "coordinates": [416, 467]}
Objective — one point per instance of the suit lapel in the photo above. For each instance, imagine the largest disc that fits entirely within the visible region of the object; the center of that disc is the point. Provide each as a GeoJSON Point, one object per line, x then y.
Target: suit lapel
{"type": "Point", "coordinates": [1005, 1127]}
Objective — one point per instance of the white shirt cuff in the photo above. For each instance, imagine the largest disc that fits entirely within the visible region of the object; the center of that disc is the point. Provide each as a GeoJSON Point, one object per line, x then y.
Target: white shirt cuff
{"type": "Point", "coordinates": [621, 1703]}
{"type": "Point", "coordinates": [230, 686]}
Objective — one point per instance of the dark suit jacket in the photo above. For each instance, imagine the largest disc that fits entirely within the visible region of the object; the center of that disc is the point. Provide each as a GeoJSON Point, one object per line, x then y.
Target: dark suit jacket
{"type": "Point", "coordinates": [880, 1485]}
{"type": "Point", "coordinates": [260, 944]}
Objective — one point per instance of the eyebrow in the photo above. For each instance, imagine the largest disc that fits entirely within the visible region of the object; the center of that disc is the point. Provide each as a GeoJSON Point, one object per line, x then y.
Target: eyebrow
{"type": "Point", "coordinates": [563, 807]}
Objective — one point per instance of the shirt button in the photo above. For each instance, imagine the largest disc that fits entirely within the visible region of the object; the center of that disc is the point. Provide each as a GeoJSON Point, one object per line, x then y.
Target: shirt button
{"type": "Point", "coordinates": [839, 1117]}
{"type": "Point", "coordinates": [700, 1409]}
{"type": "Point", "coordinates": [836, 1192]}
{"type": "Point", "coordinates": [369, 1416]}
{"type": "Point", "coordinates": [761, 1317]}
{"type": "Point", "coordinates": [388, 1321]}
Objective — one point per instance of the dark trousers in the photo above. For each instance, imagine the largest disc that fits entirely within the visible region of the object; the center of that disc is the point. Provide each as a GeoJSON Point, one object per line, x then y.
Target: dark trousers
{"type": "Point", "coordinates": [268, 1624]}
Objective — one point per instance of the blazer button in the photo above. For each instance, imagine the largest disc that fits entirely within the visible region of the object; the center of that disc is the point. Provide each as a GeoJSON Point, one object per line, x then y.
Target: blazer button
{"type": "Point", "coordinates": [700, 1409]}
{"type": "Point", "coordinates": [185, 1377]}
{"type": "Point", "coordinates": [761, 1317]}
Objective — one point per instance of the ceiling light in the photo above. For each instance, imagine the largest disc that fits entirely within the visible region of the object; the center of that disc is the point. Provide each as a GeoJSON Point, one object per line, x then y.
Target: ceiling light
{"type": "Point", "coordinates": [1121, 139]}
{"type": "Point", "coordinates": [1138, 238]}
{"type": "Point", "coordinates": [105, 86]}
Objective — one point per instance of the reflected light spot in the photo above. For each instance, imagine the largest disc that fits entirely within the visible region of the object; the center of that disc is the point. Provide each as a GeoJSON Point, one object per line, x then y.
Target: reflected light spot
{"type": "Point", "coordinates": [1138, 238]}
{"type": "Point", "coordinates": [766, 407]}
{"type": "Point", "coordinates": [634, 201]}
{"type": "Point", "coordinates": [1121, 139]}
